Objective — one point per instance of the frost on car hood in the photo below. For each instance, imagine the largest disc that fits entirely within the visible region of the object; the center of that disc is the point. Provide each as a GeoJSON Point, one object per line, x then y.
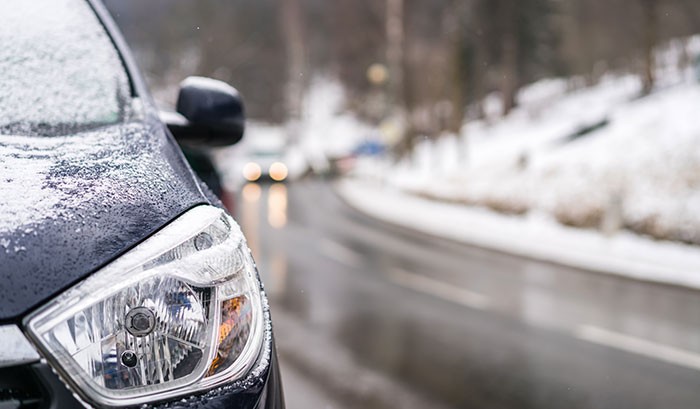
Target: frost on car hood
{"type": "Point", "coordinates": [59, 68]}
{"type": "Point", "coordinates": [72, 203]}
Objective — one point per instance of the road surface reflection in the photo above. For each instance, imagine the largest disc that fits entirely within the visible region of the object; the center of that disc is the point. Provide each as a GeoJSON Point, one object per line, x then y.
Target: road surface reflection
{"type": "Point", "coordinates": [458, 325]}
{"type": "Point", "coordinates": [271, 259]}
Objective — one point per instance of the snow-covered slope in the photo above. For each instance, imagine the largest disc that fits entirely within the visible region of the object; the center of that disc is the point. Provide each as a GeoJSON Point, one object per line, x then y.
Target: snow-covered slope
{"type": "Point", "coordinates": [638, 169]}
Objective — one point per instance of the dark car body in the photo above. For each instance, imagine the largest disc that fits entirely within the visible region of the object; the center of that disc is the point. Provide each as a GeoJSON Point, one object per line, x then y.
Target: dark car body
{"type": "Point", "coordinates": [107, 190]}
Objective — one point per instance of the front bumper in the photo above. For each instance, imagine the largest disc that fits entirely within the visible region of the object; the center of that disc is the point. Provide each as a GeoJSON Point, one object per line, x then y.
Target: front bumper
{"type": "Point", "coordinates": [36, 386]}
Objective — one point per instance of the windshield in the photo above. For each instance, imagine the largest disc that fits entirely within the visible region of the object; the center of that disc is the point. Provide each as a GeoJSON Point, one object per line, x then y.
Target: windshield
{"type": "Point", "coordinates": [60, 70]}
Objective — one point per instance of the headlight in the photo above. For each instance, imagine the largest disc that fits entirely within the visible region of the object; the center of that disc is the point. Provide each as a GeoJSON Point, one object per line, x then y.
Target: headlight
{"type": "Point", "coordinates": [278, 171]}
{"type": "Point", "coordinates": [252, 171]}
{"type": "Point", "coordinates": [179, 313]}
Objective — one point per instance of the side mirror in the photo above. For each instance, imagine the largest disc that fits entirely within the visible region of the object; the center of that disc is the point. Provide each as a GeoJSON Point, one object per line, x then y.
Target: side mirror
{"type": "Point", "coordinates": [209, 113]}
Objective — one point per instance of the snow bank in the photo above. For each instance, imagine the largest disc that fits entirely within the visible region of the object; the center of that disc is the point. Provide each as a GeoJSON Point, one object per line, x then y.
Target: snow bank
{"type": "Point", "coordinates": [537, 237]}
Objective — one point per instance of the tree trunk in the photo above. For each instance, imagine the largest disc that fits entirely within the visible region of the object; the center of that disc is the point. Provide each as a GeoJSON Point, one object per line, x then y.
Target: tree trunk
{"type": "Point", "coordinates": [398, 86]}
{"type": "Point", "coordinates": [480, 68]}
{"type": "Point", "coordinates": [395, 51]}
{"type": "Point", "coordinates": [293, 29]}
{"type": "Point", "coordinates": [457, 71]}
{"type": "Point", "coordinates": [509, 55]}
{"type": "Point", "coordinates": [651, 26]}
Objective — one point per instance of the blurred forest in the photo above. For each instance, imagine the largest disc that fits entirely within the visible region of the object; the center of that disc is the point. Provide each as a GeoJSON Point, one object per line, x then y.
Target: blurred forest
{"type": "Point", "coordinates": [429, 61]}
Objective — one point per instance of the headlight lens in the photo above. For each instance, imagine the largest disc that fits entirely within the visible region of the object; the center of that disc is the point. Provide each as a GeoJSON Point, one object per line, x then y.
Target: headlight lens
{"type": "Point", "coordinates": [181, 311]}
{"type": "Point", "coordinates": [252, 171]}
{"type": "Point", "coordinates": [278, 171]}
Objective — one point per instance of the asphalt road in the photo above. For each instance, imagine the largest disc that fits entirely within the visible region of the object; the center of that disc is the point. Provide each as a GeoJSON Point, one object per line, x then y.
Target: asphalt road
{"type": "Point", "coordinates": [371, 315]}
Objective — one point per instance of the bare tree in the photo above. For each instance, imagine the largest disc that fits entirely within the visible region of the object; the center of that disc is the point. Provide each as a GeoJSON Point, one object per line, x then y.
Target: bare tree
{"type": "Point", "coordinates": [456, 33]}
{"type": "Point", "coordinates": [651, 33]}
{"type": "Point", "coordinates": [293, 29]}
{"type": "Point", "coordinates": [509, 54]}
{"type": "Point", "coordinates": [395, 52]}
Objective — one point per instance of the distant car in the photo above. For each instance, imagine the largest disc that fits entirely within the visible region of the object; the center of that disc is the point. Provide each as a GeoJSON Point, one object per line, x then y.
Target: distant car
{"type": "Point", "coordinates": [264, 157]}
{"type": "Point", "coordinates": [265, 166]}
{"type": "Point", "coordinates": [123, 280]}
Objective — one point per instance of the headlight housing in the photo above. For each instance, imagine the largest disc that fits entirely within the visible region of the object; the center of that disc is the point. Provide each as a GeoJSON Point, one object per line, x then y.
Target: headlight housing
{"type": "Point", "coordinates": [179, 313]}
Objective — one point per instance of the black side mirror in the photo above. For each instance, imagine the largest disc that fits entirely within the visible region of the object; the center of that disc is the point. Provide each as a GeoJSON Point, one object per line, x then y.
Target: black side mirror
{"type": "Point", "coordinates": [209, 113]}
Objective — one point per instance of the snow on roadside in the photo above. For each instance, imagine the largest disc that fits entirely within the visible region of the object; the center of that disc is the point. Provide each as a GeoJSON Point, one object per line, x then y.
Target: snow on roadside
{"type": "Point", "coordinates": [629, 186]}
{"type": "Point", "coordinates": [639, 171]}
{"type": "Point", "coordinates": [535, 236]}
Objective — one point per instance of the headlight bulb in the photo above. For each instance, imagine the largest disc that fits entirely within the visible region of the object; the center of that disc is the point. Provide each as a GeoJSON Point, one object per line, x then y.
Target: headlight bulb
{"type": "Point", "coordinates": [140, 321]}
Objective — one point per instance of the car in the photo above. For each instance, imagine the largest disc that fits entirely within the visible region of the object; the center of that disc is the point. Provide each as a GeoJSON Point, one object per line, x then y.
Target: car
{"type": "Point", "coordinates": [264, 156]}
{"type": "Point", "coordinates": [123, 280]}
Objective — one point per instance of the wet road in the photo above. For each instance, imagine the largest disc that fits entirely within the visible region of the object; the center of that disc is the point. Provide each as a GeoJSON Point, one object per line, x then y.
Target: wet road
{"type": "Point", "coordinates": [458, 326]}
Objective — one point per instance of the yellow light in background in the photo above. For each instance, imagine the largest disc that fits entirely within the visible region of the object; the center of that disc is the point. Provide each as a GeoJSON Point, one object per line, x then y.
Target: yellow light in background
{"type": "Point", "coordinates": [252, 171]}
{"type": "Point", "coordinates": [278, 171]}
{"type": "Point", "coordinates": [277, 206]}
{"type": "Point", "coordinates": [251, 192]}
{"type": "Point", "coordinates": [377, 74]}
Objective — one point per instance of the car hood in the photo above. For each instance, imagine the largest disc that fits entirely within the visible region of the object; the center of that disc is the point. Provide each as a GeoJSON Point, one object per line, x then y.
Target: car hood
{"type": "Point", "coordinates": [71, 204]}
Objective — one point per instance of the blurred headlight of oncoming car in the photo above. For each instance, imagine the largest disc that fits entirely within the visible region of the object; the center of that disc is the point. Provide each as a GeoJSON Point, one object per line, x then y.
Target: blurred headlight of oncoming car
{"type": "Point", "coordinates": [180, 313]}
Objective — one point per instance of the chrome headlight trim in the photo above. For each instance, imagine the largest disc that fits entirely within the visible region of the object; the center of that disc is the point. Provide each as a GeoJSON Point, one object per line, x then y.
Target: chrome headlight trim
{"type": "Point", "coordinates": [143, 263]}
